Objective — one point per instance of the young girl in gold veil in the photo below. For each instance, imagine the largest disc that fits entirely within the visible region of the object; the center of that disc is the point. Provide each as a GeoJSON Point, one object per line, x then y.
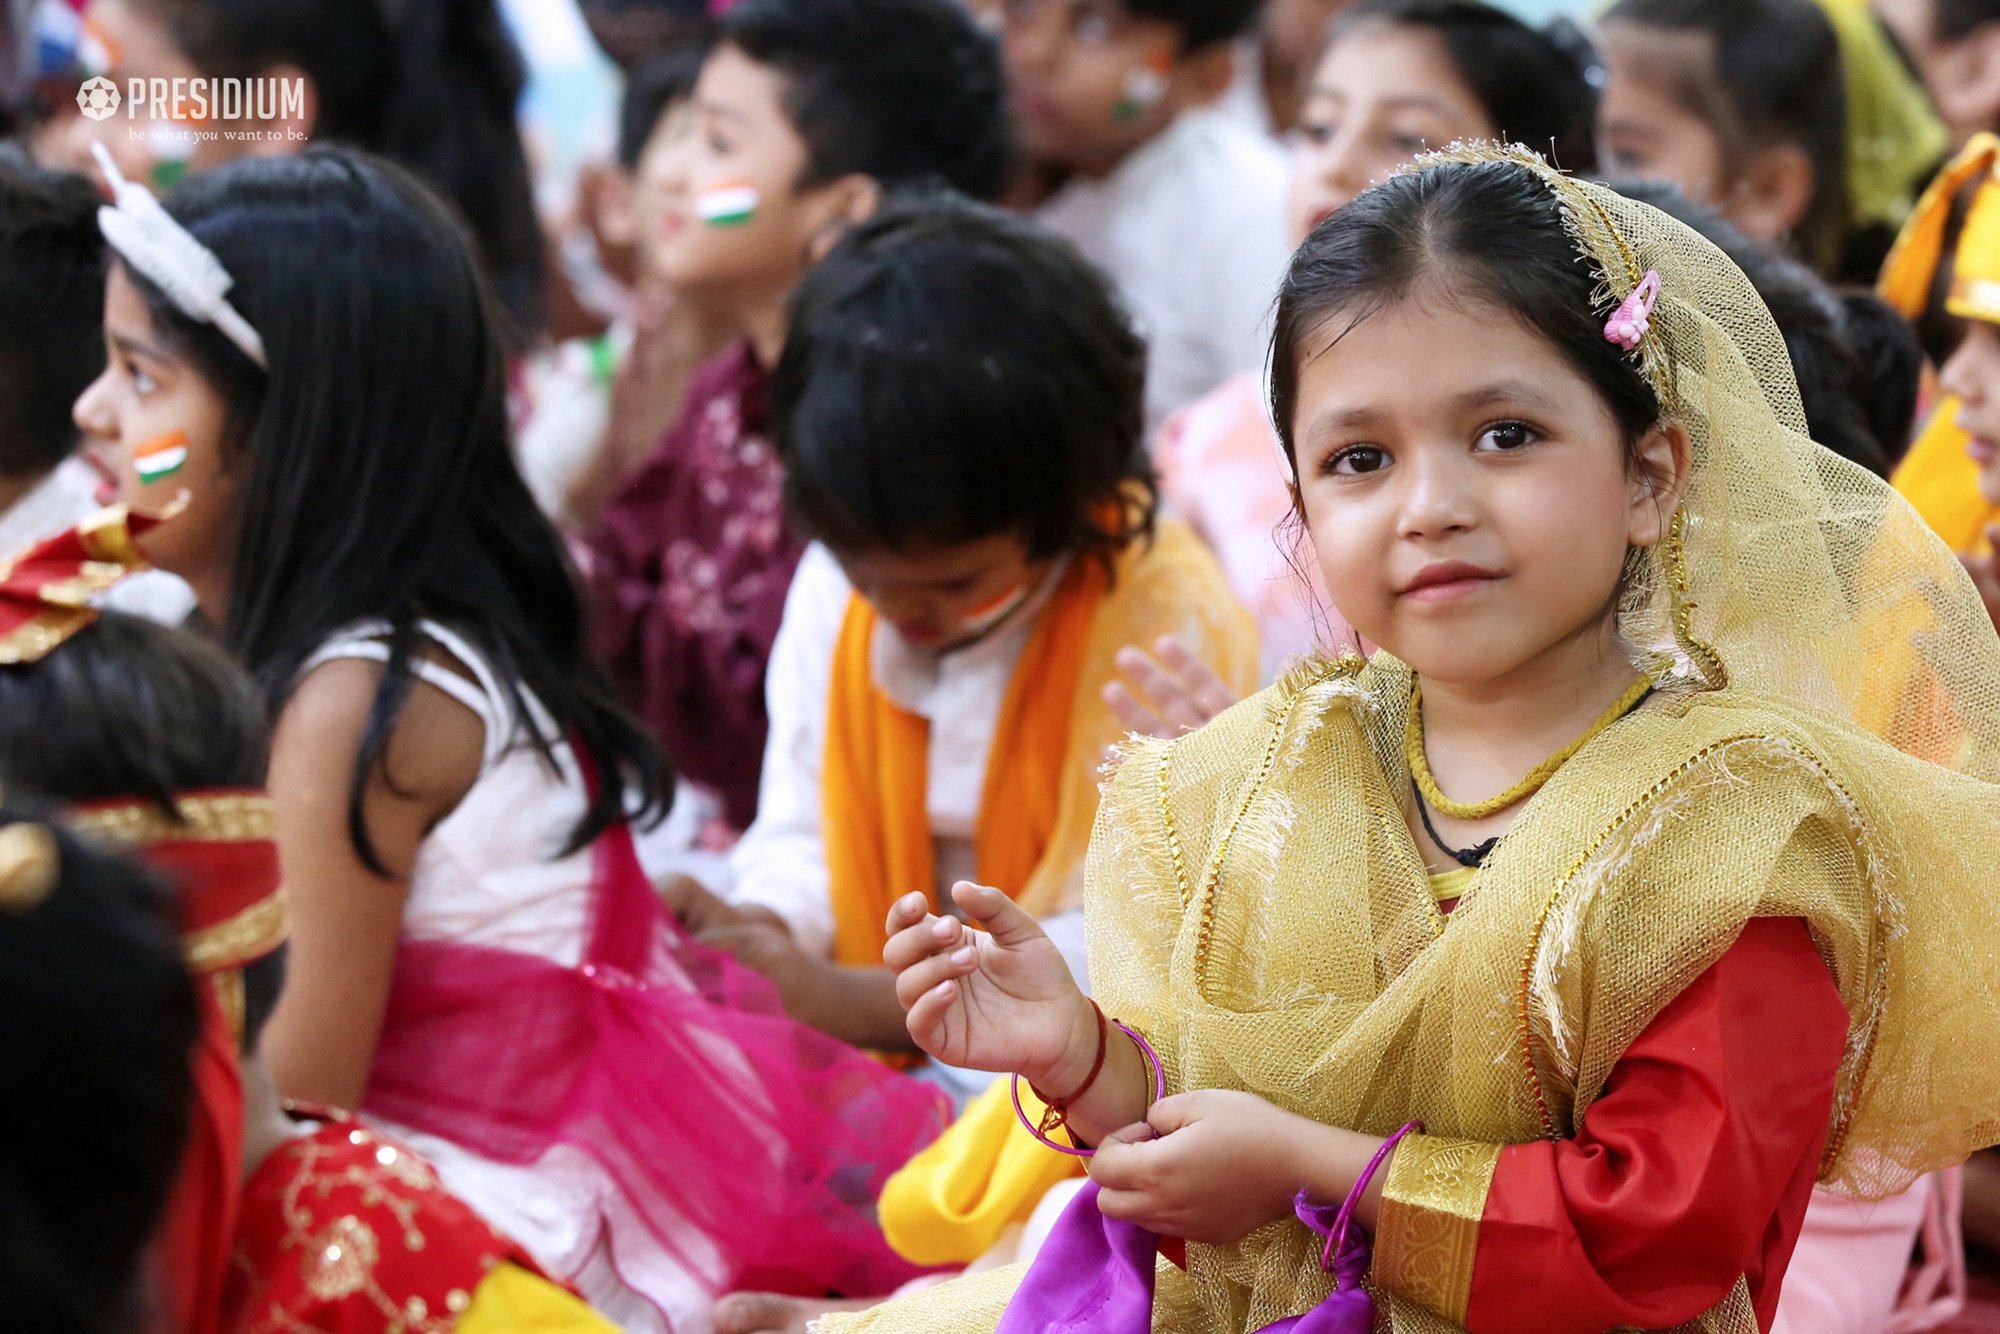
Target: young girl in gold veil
{"type": "Point", "coordinates": [1712, 938]}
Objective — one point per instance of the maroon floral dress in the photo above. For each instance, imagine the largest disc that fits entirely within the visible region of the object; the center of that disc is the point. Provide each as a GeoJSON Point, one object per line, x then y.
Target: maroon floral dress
{"type": "Point", "coordinates": [688, 570]}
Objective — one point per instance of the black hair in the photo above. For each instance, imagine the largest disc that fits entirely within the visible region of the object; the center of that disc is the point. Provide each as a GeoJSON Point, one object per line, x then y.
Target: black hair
{"type": "Point", "coordinates": [1202, 23]}
{"type": "Point", "coordinates": [436, 87]}
{"type": "Point", "coordinates": [1891, 361]}
{"type": "Point", "coordinates": [909, 92]}
{"type": "Point", "coordinates": [130, 708]}
{"type": "Point", "coordinates": [1953, 19]}
{"type": "Point", "coordinates": [51, 312]}
{"type": "Point", "coordinates": [651, 89]}
{"type": "Point", "coordinates": [97, 1021]}
{"type": "Point", "coordinates": [1537, 86]}
{"type": "Point", "coordinates": [1487, 230]}
{"type": "Point", "coordinates": [376, 477]}
{"type": "Point", "coordinates": [954, 372]}
{"type": "Point", "coordinates": [1777, 78]}
{"type": "Point", "coordinates": [1838, 389]}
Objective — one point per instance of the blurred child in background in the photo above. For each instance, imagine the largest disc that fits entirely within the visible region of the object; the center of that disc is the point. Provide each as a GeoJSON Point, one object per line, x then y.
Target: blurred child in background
{"type": "Point", "coordinates": [806, 112]}
{"type": "Point", "coordinates": [1797, 121]}
{"type": "Point", "coordinates": [1180, 203]}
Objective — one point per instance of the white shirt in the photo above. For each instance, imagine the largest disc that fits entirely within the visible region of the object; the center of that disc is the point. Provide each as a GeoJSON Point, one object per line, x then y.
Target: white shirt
{"type": "Point", "coordinates": [780, 862]}
{"type": "Point", "coordinates": [1191, 230]}
{"type": "Point", "coordinates": [1244, 99]}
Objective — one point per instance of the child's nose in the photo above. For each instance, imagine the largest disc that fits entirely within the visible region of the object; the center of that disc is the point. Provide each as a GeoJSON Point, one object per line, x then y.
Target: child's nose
{"type": "Point", "coordinates": [92, 410]}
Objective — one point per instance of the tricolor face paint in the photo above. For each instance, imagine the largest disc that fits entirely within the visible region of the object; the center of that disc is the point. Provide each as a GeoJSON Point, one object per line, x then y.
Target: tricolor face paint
{"type": "Point", "coordinates": [161, 457]}
{"type": "Point", "coordinates": [991, 613]}
{"type": "Point", "coordinates": [1144, 88]}
{"type": "Point", "coordinates": [731, 204]}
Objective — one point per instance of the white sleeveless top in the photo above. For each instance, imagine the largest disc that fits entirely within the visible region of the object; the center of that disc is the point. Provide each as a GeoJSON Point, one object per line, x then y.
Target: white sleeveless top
{"type": "Point", "coordinates": [490, 873]}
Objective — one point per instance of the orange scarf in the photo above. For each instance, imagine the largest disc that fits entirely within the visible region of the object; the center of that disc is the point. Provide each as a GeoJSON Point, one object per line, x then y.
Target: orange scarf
{"type": "Point", "coordinates": [878, 830]}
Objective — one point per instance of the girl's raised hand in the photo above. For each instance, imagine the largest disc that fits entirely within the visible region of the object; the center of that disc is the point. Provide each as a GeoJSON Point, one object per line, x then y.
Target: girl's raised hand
{"type": "Point", "coordinates": [1002, 999]}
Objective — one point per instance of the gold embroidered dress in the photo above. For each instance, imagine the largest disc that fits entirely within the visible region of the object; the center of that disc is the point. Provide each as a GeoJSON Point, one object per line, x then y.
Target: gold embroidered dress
{"type": "Point", "coordinates": [1256, 905]}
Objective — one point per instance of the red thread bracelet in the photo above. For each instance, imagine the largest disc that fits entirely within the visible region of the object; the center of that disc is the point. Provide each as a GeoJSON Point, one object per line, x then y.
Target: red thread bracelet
{"type": "Point", "coordinates": [1055, 1113]}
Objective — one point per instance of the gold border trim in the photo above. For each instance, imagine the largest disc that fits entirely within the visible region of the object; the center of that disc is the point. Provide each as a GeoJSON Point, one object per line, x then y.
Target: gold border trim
{"type": "Point", "coordinates": [244, 938]}
{"type": "Point", "coordinates": [232, 817]}
{"type": "Point", "coordinates": [1428, 1231]}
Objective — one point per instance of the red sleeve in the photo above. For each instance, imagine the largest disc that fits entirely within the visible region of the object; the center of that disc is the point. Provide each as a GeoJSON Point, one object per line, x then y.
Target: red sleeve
{"type": "Point", "coordinates": [1693, 1167]}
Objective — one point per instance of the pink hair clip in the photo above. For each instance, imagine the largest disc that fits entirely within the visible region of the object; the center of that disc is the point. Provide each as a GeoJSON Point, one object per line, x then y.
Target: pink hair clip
{"type": "Point", "coordinates": [1632, 319]}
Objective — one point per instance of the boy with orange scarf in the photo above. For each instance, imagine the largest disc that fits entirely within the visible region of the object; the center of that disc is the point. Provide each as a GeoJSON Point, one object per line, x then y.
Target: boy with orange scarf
{"type": "Point", "coordinates": [959, 414]}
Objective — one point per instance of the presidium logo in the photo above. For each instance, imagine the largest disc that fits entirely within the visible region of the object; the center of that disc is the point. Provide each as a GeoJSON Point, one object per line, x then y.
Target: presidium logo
{"type": "Point", "coordinates": [191, 109]}
{"type": "Point", "coordinates": [98, 98]}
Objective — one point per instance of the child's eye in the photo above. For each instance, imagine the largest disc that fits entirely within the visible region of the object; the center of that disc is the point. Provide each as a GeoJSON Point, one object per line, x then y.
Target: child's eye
{"type": "Point", "coordinates": [1508, 435]}
{"type": "Point", "coordinates": [1356, 461]}
{"type": "Point", "coordinates": [142, 383]}
{"type": "Point", "coordinates": [1315, 134]}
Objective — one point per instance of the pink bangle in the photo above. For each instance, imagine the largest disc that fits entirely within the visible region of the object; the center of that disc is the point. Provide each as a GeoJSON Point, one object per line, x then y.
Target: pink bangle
{"type": "Point", "coordinates": [1336, 1237]}
{"type": "Point", "coordinates": [1152, 1059]}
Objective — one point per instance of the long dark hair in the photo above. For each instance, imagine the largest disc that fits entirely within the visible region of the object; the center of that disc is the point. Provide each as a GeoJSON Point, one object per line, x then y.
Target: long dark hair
{"type": "Point", "coordinates": [436, 89]}
{"type": "Point", "coordinates": [97, 1019]}
{"type": "Point", "coordinates": [376, 476]}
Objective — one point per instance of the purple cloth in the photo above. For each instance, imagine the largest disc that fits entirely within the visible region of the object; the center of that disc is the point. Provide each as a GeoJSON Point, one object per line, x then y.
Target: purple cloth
{"type": "Point", "coordinates": [1095, 1273]}
{"type": "Point", "coordinates": [688, 571]}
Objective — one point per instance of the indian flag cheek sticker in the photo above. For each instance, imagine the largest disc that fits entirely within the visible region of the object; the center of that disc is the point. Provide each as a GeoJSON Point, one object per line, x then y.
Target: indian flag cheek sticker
{"type": "Point", "coordinates": [728, 205]}
{"type": "Point", "coordinates": [162, 457]}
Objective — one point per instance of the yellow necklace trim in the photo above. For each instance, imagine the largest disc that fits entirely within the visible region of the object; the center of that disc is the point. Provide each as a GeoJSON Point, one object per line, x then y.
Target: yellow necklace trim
{"type": "Point", "coordinates": [1420, 769]}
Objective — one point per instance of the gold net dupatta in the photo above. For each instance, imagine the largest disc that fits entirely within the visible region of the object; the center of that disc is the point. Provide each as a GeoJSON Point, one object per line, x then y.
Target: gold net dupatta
{"type": "Point", "coordinates": [1825, 745]}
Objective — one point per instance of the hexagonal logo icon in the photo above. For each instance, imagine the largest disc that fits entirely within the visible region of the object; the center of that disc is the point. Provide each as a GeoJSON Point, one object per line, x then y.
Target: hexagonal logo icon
{"type": "Point", "coordinates": [97, 98]}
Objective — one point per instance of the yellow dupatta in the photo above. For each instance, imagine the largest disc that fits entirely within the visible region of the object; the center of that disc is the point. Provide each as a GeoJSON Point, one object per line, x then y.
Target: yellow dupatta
{"type": "Point", "coordinates": [1259, 909]}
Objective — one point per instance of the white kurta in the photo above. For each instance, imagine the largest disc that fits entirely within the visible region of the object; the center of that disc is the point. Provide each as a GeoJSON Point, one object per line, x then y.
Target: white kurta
{"type": "Point", "coordinates": [780, 862]}
{"type": "Point", "coordinates": [1191, 229]}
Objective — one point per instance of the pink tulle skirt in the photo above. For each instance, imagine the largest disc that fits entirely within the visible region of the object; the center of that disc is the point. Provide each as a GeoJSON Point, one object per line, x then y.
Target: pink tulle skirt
{"type": "Point", "coordinates": [746, 1147]}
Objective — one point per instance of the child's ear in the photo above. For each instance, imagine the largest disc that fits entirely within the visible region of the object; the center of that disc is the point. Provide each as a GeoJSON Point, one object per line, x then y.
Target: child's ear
{"type": "Point", "coordinates": [1773, 192]}
{"type": "Point", "coordinates": [847, 202]}
{"type": "Point", "coordinates": [1659, 478]}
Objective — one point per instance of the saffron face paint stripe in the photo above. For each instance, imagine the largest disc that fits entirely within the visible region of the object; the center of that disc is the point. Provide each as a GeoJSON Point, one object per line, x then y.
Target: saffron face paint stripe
{"type": "Point", "coordinates": [161, 457]}
{"type": "Point", "coordinates": [728, 205]}
{"type": "Point", "coordinates": [984, 617]}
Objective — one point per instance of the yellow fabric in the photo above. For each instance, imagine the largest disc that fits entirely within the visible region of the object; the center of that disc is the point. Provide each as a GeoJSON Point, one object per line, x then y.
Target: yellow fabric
{"type": "Point", "coordinates": [1257, 907]}
{"type": "Point", "coordinates": [510, 1300]}
{"type": "Point", "coordinates": [1428, 1230]}
{"type": "Point", "coordinates": [1910, 271]}
{"type": "Point", "coordinates": [950, 1203]}
{"type": "Point", "coordinates": [1941, 481]}
{"type": "Point", "coordinates": [1894, 137]}
{"type": "Point", "coordinates": [1054, 731]}
{"type": "Point", "coordinates": [1448, 885]}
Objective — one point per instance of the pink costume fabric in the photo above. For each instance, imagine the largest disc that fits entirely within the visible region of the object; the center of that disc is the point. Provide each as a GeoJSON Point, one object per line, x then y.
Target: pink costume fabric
{"type": "Point", "coordinates": [747, 1147]}
{"type": "Point", "coordinates": [1217, 461]}
{"type": "Point", "coordinates": [1851, 1272]}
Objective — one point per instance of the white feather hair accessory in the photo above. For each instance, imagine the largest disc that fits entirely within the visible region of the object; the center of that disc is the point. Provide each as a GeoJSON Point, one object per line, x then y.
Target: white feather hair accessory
{"type": "Point", "coordinates": [146, 236]}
